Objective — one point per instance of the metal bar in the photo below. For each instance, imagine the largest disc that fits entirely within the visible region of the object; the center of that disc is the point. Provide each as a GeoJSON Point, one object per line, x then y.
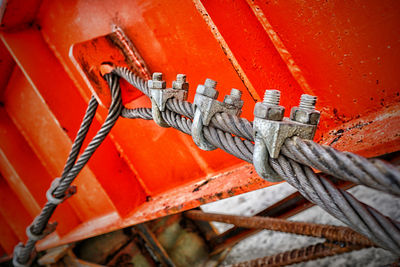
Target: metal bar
{"type": "Point", "coordinates": [152, 241]}
{"type": "Point", "coordinates": [312, 252]}
{"type": "Point", "coordinates": [330, 232]}
{"type": "Point", "coordinates": [285, 208]}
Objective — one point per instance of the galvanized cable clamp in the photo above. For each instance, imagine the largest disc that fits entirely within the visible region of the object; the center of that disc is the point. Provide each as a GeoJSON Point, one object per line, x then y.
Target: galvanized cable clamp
{"type": "Point", "coordinates": [271, 129]}
{"type": "Point", "coordinates": [17, 251]}
{"type": "Point", "coordinates": [50, 227]}
{"type": "Point", "coordinates": [206, 106]}
{"type": "Point", "coordinates": [160, 94]}
{"type": "Point", "coordinates": [54, 200]}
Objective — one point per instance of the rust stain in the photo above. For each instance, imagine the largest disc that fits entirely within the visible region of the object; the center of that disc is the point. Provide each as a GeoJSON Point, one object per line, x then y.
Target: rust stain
{"type": "Point", "coordinates": [200, 186]}
{"type": "Point", "coordinates": [90, 72]}
{"type": "Point", "coordinates": [340, 133]}
{"type": "Point", "coordinates": [130, 53]}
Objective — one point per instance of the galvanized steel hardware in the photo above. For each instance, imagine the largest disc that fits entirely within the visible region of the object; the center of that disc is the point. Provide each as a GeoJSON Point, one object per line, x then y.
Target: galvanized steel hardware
{"type": "Point", "coordinates": [271, 129]}
{"type": "Point", "coordinates": [56, 201]}
{"type": "Point", "coordinates": [206, 106]}
{"type": "Point", "coordinates": [160, 94]}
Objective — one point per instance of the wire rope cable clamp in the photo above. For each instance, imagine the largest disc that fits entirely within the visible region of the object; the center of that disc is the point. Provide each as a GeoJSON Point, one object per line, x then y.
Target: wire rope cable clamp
{"type": "Point", "coordinates": [206, 106]}
{"type": "Point", "coordinates": [271, 129]}
{"type": "Point", "coordinates": [159, 94]}
{"type": "Point", "coordinates": [54, 200]}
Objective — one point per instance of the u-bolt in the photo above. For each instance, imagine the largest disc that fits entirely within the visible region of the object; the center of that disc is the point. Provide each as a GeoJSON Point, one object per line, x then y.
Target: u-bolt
{"type": "Point", "coordinates": [157, 117]}
{"type": "Point", "coordinates": [261, 161]}
{"type": "Point", "coordinates": [197, 132]}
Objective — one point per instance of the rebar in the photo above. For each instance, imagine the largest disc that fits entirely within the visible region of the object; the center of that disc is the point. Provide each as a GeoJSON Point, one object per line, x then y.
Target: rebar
{"type": "Point", "coordinates": [330, 232]}
{"type": "Point", "coordinates": [313, 252]}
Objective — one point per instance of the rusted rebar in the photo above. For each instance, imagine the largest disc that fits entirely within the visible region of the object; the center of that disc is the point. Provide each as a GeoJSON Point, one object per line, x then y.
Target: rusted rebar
{"type": "Point", "coordinates": [330, 232]}
{"type": "Point", "coordinates": [312, 252]}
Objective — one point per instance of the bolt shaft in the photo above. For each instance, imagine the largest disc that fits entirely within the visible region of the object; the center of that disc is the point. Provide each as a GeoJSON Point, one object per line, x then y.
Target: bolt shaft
{"type": "Point", "coordinates": [157, 76]}
{"type": "Point", "coordinates": [236, 93]}
{"type": "Point", "coordinates": [181, 78]}
{"type": "Point", "coordinates": [210, 83]}
{"type": "Point", "coordinates": [307, 102]}
{"type": "Point", "coordinates": [272, 97]}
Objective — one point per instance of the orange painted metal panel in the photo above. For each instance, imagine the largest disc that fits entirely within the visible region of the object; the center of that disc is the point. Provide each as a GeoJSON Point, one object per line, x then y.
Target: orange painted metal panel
{"type": "Point", "coordinates": [16, 217]}
{"type": "Point", "coordinates": [235, 180]}
{"type": "Point", "coordinates": [143, 171]}
{"type": "Point", "coordinates": [106, 162]}
{"type": "Point", "coordinates": [51, 144]}
{"type": "Point", "coordinates": [30, 179]}
{"type": "Point", "coordinates": [184, 52]}
{"type": "Point", "coordinates": [8, 238]}
{"type": "Point", "coordinates": [345, 53]}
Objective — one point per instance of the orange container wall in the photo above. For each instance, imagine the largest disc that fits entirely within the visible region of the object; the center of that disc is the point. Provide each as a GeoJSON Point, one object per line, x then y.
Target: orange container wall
{"type": "Point", "coordinates": [345, 53]}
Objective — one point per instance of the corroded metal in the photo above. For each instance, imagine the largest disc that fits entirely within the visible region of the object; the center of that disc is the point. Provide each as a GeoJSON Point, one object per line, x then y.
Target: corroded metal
{"type": "Point", "coordinates": [283, 209]}
{"type": "Point", "coordinates": [312, 252]}
{"type": "Point", "coordinates": [154, 244]}
{"type": "Point", "coordinates": [330, 232]}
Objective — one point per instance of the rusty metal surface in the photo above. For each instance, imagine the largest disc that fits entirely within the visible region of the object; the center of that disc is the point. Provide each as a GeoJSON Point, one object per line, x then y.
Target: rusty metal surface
{"type": "Point", "coordinates": [309, 253]}
{"type": "Point", "coordinates": [330, 232]}
{"type": "Point", "coordinates": [154, 244]}
{"type": "Point", "coordinates": [285, 208]}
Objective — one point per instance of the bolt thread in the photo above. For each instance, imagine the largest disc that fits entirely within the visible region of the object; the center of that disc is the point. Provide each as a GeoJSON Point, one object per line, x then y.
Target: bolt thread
{"type": "Point", "coordinates": [210, 83]}
{"type": "Point", "coordinates": [157, 76]}
{"type": "Point", "coordinates": [307, 102]}
{"type": "Point", "coordinates": [181, 78]}
{"type": "Point", "coordinates": [236, 93]}
{"type": "Point", "coordinates": [272, 97]}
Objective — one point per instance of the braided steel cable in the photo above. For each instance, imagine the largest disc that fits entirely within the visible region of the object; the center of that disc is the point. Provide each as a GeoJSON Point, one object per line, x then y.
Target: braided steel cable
{"type": "Point", "coordinates": [343, 165]}
{"type": "Point", "coordinates": [133, 79]}
{"type": "Point", "coordinates": [73, 166]}
{"type": "Point", "coordinates": [360, 217]}
{"type": "Point", "coordinates": [113, 114]}
{"type": "Point", "coordinates": [80, 136]}
{"type": "Point", "coordinates": [373, 173]}
{"type": "Point", "coordinates": [142, 113]}
{"type": "Point", "coordinates": [364, 219]}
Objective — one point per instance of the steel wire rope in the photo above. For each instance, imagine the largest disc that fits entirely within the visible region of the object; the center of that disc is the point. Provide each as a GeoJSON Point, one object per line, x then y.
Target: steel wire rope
{"type": "Point", "coordinates": [343, 165]}
{"type": "Point", "coordinates": [382, 230]}
{"type": "Point", "coordinates": [73, 165]}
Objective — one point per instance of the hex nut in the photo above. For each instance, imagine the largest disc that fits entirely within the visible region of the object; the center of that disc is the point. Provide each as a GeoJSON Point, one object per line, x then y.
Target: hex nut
{"type": "Point", "coordinates": [306, 116]}
{"type": "Point", "coordinates": [207, 91]}
{"type": "Point", "coordinates": [152, 84]}
{"type": "Point", "coordinates": [269, 112]}
{"type": "Point", "coordinates": [180, 85]}
{"type": "Point", "coordinates": [234, 101]}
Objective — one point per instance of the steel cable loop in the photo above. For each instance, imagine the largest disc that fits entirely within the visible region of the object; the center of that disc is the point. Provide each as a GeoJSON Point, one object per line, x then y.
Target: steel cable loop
{"type": "Point", "coordinates": [344, 165]}
{"type": "Point", "coordinates": [113, 114]}
{"type": "Point", "coordinates": [73, 166]}
{"type": "Point", "coordinates": [133, 79]}
{"type": "Point", "coordinates": [362, 218]}
{"type": "Point", "coordinates": [80, 136]}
